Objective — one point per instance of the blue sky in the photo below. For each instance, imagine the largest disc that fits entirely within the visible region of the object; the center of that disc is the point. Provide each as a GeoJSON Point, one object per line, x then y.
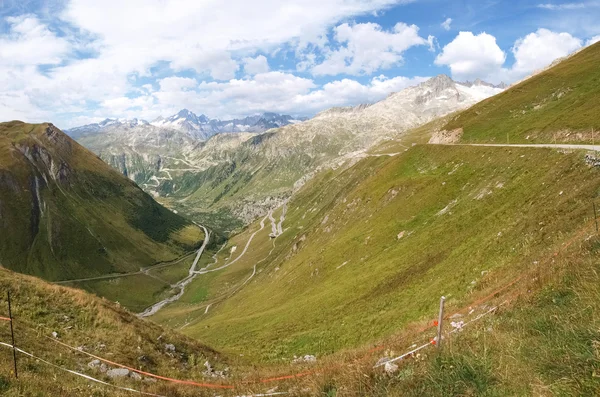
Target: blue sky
{"type": "Point", "coordinates": [78, 61]}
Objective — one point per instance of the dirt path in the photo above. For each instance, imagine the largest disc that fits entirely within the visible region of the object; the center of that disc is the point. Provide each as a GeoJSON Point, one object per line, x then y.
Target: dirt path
{"type": "Point", "coordinates": [234, 289]}
{"type": "Point", "coordinates": [273, 225]}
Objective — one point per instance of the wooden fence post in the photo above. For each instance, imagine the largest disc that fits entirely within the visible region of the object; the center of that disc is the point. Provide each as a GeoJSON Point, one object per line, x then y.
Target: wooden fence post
{"type": "Point", "coordinates": [12, 334]}
{"type": "Point", "coordinates": [440, 323]}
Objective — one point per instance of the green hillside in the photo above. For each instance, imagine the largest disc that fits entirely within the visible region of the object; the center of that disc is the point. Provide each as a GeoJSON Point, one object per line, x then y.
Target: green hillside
{"type": "Point", "coordinates": [557, 105]}
{"type": "Point", "coordinates": [372, 248]}
{"type": "Point", "coordinates": [262, 169]}
{"type": "Point", "coordinates": [65, 214]}
{"type": "Point", "coordinates": [95, 326]}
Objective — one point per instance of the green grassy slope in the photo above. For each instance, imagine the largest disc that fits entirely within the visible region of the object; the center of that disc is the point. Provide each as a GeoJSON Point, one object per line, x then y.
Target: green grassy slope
{"type": "Point", "coordinates": [98, 327]}
{"type": "Point", "coordinates": [469, 219]}
{"type": "Point", "coordinates": [65, 214]}
{"type": "Point", "coordinates": [559, 104]}
{"type": "Point", "coordinates": [542, 342]}
{"type": "Point", "coordinates": [258, 171]}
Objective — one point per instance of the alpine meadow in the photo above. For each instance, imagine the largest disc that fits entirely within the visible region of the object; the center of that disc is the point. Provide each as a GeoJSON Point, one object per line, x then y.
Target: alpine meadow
{"type": "Point", "coordinates": [333, 198]}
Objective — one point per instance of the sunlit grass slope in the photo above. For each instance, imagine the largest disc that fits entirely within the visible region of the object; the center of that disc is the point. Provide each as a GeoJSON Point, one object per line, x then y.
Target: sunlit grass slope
{"type": "Point", "coordinates": [96, 326]}
{"type": "Point", "coordinates": [371, 248]}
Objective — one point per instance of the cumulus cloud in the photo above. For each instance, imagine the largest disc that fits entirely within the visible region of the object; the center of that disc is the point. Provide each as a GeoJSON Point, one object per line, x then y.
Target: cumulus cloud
{"type": "Point", "coordinates": [469, 56]}
{"type": "Point", "coordinates": [127, 40]}
{"type": "Point", "coordinates": [366, 48]}
{"type": "Point", "coordinates": [472, 56]}
{"type": "Point", "coordinates": [350, 92]}
{"type": "Point", "coordinates": [271, 91]}
{"type": "Point", "coordinates": [541, 48]}
{"type": "Point", "coordinates": [29, 42]}
{"type": "Point", "coordinates": [446, 24]}
{"type": "Point", "coordinates": [176, 83]}
{"type": "Point", "coordinates": [176, 31]}
{"type": "Point", "coordinates": [256, 65]}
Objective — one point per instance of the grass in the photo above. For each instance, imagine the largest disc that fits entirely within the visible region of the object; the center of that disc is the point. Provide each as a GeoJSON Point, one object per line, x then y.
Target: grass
{"type": "Point", "coordinates": [545, 342]}
{"type": "Point", "coordinates": [99, 327]}
{"type": "Point", "coordinates": [215, 287]}
{"type": "Point", "coordinates": [557, 105]}
{"type": "Point", "coordinates": [174, 273]}
{"type": "Point", "coordinates": [135, 292]}
{"type": "Point", "coordinates": [491, 212]}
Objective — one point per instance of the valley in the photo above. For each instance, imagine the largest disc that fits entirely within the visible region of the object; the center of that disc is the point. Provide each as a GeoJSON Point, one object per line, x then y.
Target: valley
{"type": "Point", "coordinates": [312, 255]}
{"type": "Point", "coordinates": [230, 180]}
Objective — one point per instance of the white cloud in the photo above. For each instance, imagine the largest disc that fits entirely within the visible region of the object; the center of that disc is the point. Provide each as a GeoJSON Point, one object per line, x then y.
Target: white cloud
{"type": "Point", "coordinates": [271, 91]}
{"type": "Point", "coordinates": [256, 65]}
{"type": "Point", "coordinates": [541, 48]}
{"type": "Point", "coordinates": [130, 38]}
{"type": "Point", "coordinates": [564, 6]}
{"type": "Point", "coordinates": [593, 40]}
{"type": "Point", "coordinates": [432, 43]}
{"type": "Point", "coordinates": [366, 48]}
{"type": "Point", "coordinates": [121, 105]}
{"type": "Point", "coordinates": [177, 83]}
{"type": "Point", "coordinates": [29, 42]}
{"type": "Point", "coordinates": [446, 24]}
{"type": "Point", "coordinates": [470, 56]}
{"type": "Point", "coordinates": [176, 31]}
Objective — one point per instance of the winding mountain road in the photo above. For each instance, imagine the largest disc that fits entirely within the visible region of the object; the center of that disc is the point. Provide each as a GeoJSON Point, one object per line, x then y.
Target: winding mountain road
{"type": "Point", "coordinates": [181, 284]}
{"type": "Point", "coordinates": [595, 148]}
{"type": "Point", "coordinates": [262, 226]}
{"type": "Point", "coordinates": [143, 270]}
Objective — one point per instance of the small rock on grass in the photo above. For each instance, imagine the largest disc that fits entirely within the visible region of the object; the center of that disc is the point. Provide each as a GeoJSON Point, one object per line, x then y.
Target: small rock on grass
{"type": "Point", "coordinates": [170, 348]}
{"type": "Point", "coordinates": [117, 373]}
{"type": "Point", "coordinates": [390, 368]}
{"type": "Point", "coordinates": [94, 363]}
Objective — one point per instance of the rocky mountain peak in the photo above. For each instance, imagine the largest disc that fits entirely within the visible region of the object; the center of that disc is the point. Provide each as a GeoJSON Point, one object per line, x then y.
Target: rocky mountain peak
{"type": "Point", "coordinates": [482, 83]}
{"type": "Point", "coordinates": [185, 113]}
{"type": "Point", "coordinates": [439, 83]}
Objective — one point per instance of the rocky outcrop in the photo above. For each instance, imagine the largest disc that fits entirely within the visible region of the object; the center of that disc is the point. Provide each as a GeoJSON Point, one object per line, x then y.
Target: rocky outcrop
{"type": "Point", "coordinates": [446, 137]}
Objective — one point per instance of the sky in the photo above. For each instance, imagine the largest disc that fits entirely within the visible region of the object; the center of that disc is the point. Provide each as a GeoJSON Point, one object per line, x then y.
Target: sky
{"type": "Point", "coordinates": [73, 62]}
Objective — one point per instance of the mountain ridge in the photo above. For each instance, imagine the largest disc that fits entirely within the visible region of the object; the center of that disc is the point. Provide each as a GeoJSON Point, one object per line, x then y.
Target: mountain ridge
{"type": "Point", "coordinates": [198, 127]}
{"type": "Point", "coordinates": [261, 169]}
{"type": "Point", "coordinates": [66, 214]}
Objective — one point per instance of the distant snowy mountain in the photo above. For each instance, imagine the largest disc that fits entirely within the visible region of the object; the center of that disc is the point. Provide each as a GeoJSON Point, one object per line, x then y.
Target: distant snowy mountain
{"type": "Point", "coordinates": [90, 129]}
{"type": "Point", "coordinates": [198, 127]}
{"type": "Point", "coordinates": [186, 121]}
{"type": "Point", "coordinates": [242, 173]}
{"type": "Point", "coordinates": [482, 88]}
{"type": "Point", "coordinates": [201, 127]}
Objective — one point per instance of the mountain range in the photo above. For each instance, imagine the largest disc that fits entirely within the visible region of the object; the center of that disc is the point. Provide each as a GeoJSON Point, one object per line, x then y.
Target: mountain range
{"type": "Point", "coordinates": [198, 127]}
{"type": "Point", "coordinates": [235, 177]}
